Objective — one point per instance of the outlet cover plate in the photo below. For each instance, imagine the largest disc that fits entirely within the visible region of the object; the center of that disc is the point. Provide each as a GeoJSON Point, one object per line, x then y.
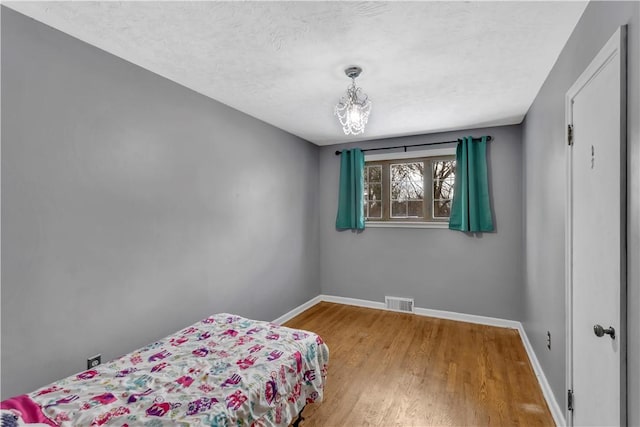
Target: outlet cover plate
{"type": "Point", "coordinates": [94, 361]}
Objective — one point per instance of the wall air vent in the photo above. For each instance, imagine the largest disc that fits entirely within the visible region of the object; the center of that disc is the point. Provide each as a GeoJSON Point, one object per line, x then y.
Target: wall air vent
{"type": "Point", "coordinates": [399, 304]}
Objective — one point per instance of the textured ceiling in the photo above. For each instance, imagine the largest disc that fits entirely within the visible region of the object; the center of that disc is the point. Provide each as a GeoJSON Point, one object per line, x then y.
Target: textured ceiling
{"type": "Point", "coordinates": [428, 66]}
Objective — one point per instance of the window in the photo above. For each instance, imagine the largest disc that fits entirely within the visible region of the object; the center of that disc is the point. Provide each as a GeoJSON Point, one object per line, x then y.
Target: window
{"type": "Point", "coordinates": [409, 190]}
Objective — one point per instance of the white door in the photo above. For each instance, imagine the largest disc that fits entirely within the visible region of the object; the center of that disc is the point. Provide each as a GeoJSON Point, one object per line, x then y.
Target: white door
{"type": "Point", "coordinates": [596, 273]}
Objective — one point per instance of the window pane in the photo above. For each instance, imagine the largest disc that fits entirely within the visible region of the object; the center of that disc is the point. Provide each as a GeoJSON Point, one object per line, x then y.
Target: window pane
{"type": "Point", "coordinates": [415, 190]}
{"type": "Point", "coordinates": [399, 209]}
{"type": "Point", "coordinates": [407, 183]}
{"type": "Point", "coordinates": [444, 172]}
{"type": "Point", "coordinates": [397, 190]}
{"type": "Point", "coordinates": [372, 191]}
{"type": "Point", "coordinates": [415, 209]}
{"type": "Point", "coordinates": [437, 169]}
{"type": "Point", "coordinates": [443, 168]}
{"type": "Point", "coordinates": [396, 172]}
{"type": "Point", "coordinates": [443, 189]}
{"type": "Point", "coordinates": [441, 208]}
{"type": "Point", "coordinates": [374, 173]}
{"type": "Point", "coordinates": [375, 210]}
{"type": "Point", "coordinates": [402, 191]}
{"type": "Point", "coordinates": [447, 187]}
{"type": "Point", "coordinates": [375, 192]}
{"type": "Point", "coordinates": [407, 171]}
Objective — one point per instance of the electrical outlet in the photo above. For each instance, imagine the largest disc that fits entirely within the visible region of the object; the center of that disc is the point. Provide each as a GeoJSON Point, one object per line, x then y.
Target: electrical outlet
{"type": "Point", "coordinates": [94, 361]}
{"type": "Point", "coordinates": [548, 340]}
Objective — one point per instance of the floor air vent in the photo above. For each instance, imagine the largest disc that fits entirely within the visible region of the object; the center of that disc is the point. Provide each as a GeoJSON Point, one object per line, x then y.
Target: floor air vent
{"type": "Point", "coordinates": [399, 304]}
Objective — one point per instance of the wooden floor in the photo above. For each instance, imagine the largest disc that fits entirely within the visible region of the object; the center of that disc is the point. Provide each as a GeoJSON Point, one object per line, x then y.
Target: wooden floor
{"type": "Point", "coordinates": [396, 369]}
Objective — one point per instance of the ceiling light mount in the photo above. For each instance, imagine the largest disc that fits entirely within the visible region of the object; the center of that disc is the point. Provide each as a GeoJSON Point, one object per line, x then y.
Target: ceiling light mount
{"type": "Point", "coordinates": [353, 72]}
{"type": "Point", "coordinates": [354, 107]}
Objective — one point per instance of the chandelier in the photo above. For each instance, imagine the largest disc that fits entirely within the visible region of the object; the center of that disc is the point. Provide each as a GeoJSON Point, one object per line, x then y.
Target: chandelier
{"type": "Point", "coordinates": [354, 107]}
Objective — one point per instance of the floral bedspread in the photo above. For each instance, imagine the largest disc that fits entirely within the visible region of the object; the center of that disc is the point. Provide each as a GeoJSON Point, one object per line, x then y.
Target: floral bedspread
{"type": "Point", "coordinates": [222, 371]}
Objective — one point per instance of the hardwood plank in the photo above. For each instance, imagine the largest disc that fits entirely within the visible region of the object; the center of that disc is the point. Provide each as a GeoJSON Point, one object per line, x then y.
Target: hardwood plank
{"type": "Point", "coordinates": [398, 369]}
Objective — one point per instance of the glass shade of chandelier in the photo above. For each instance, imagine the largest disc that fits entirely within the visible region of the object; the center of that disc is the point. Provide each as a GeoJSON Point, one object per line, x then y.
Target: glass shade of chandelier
{"type": "Point", "coordinates": [354, 107]}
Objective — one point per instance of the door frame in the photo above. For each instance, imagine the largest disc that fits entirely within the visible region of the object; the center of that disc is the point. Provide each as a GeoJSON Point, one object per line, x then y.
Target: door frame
{"type": "Point", "coordinates": [614, 49]}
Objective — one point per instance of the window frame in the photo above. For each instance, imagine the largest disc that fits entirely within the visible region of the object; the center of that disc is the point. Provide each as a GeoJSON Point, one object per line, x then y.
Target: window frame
{"type": "Point", "coordinates": [387, 159]}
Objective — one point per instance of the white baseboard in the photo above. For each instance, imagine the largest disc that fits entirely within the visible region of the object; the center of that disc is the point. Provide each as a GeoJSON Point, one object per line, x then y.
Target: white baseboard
{"type": "Point", "coordinates": [552, 402]}
{"type": "Point", "coordinates": [353, 301]}
{"type": "Point", "coordinates": [469, 318]}
{"type": "Point", "coordinates": [299, 309]}
{"type": "Point", "coordinates": [556, 411]}
{"type": "Point", "coordinates": [449, 315]}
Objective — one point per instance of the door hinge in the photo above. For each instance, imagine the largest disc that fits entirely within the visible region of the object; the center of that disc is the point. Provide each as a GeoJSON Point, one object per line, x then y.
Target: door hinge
{"type": "Point", "coordinates": [570, 400]}
{"type": "Point", "coordinates": [570, 134]}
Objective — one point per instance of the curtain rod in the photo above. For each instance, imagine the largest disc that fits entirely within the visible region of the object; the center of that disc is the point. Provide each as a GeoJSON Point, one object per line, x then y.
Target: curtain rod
{"type": "Point", "coordinates": [338, 152]}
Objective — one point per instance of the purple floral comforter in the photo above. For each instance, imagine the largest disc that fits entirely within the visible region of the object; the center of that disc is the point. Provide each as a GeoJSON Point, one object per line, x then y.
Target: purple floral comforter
{"type": "Point", "coordinates": [223, 371]}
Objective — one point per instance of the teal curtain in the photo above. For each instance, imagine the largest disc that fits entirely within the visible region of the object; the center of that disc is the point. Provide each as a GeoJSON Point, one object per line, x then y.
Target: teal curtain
{"type": "Point", "coordinates": [351, 198]}
{"type": "Point", "coordinates": [470, 209]}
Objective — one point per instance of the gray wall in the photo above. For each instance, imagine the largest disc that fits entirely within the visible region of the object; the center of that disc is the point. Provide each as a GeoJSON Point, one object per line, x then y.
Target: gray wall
{"type": "Point", "coordinates": [544, 158]}
{"type": "Point", "coordinates": [132, 207]}
{"type": "Point", "coordinates": [440, 268]}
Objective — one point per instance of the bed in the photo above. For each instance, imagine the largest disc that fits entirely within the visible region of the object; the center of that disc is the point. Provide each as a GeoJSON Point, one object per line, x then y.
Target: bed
{"type": "Point", "coordinates": [222, 371]}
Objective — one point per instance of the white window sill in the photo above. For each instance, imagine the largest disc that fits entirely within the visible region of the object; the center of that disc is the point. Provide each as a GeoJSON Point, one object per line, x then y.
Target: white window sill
{"type": "Point", "coordinates": [404, 224]}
